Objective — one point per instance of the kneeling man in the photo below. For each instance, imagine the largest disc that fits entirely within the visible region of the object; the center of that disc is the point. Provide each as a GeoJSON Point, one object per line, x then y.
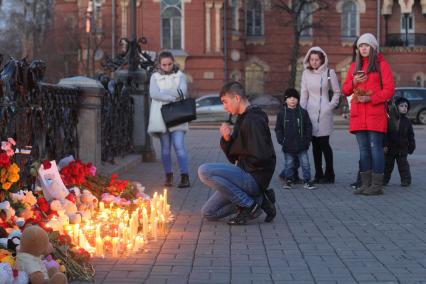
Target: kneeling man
{"type": "Point", "coordinates": [241, 187]}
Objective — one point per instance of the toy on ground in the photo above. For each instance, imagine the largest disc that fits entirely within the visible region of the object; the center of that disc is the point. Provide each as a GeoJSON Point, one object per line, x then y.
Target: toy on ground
{"type": "Point", "coordinates": [35, 243]}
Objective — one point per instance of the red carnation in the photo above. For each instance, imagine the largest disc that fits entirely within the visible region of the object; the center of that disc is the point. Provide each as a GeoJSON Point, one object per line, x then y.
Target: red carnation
{"type": "Point", "coordinates": [47, 164]}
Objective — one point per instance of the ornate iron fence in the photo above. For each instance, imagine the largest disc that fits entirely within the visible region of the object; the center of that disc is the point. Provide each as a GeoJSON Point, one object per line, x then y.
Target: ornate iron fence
{"type": "Point", "coordinates": [117, 120]}
{"type": "Point", "coordinates": [40, 117]}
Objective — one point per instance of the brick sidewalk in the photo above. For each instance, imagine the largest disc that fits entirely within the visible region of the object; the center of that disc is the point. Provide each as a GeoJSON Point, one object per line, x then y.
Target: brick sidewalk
{"type": "Point", "coordinates": [323, 236]}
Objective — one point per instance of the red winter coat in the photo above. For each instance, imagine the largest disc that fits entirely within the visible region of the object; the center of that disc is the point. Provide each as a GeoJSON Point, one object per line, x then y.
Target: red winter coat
{"type": "Point", "coordinates": [372, 115]}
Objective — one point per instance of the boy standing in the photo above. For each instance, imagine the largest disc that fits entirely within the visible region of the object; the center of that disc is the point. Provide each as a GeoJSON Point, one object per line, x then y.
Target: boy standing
{"type": "Point", "coordinates": [294, 133]}
{"type": "Point", "coordinates": [398, 144]}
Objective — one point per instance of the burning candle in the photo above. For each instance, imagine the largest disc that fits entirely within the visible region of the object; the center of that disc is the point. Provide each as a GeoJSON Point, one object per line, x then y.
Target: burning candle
{"type": "Point", "coordinates": [145, 223]}
{"type": "Point", "coordinates": [115, 246]}
{"type": "Point", "coordinates": [101, 206]}
{"type": "Point", "coordinates": [99, 247]}
{"type": "Point", "coordinates": [154, 229]}
{"type": "Point", "coordinates": [76, 233]}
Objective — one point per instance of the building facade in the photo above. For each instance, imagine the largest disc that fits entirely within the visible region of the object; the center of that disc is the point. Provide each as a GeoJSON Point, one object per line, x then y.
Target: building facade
{"type": "Point", "coordinates": [250, 40]}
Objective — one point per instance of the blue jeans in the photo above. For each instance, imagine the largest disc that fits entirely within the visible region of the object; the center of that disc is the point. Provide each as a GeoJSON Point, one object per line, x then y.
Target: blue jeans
{"type": "Point", "coordinates": [232, 186]}
{"type": "Point", "coordinates": [290, 165]}
{"type": "Point", "coordinates": [177, 139]}
{"type": "Point", "coordinates": [371, 155]}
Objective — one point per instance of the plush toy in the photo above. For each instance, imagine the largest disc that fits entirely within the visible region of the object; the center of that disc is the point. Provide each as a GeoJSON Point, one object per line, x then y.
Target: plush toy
{"type": "Point", "coordinates": [88, 201]}
{"type": "Point", "coordinates": [68, 207]}
{"type": "Point", "coordinates": [6, 212]}
{"type": "Point", "coordinates": [12, 241]}
{"type": "Point", "coordinates": [34, 244]}
{"type": "Point", "coordinates": [7, 276]}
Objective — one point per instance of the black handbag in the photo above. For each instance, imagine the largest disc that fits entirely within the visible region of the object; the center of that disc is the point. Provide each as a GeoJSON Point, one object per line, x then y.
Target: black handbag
{"type": "Point", "coordinates": [179, 112]}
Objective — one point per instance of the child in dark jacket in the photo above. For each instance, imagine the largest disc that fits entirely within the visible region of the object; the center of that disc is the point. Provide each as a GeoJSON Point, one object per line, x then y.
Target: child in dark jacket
{"type": "Point", "coordinates": [399, 142]}
{"type": "Point", "coordinates": [294, 132]}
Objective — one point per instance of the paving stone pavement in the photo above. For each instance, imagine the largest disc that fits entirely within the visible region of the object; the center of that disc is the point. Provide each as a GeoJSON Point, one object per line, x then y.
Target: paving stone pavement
{"type": "Point", "coordinates": [324, 236]}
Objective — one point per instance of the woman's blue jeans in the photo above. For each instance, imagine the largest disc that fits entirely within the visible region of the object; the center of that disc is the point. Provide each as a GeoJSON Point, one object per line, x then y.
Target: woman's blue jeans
{"type": "Point", "coordinates": [371, 155]}
{"type": "Point", "coordinates": [177, 139]}
{"type": "Point", "coordinates": [232, 186]}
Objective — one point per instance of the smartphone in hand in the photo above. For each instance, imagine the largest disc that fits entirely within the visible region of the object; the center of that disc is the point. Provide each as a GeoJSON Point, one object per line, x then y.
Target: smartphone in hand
{"type": "Point", "coordinates": [360, 73]}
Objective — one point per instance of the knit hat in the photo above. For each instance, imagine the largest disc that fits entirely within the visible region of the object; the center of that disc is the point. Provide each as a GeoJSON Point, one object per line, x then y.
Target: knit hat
{"type": "Point", "coordinates": [401, 100]}
{"type": "Point", "coordinates": [369, 39]}
{"type": "Point", "coordinates": [291, 93]}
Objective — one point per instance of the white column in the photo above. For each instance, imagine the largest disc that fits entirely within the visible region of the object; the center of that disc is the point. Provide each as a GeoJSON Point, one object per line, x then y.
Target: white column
{"type": "Point", "coordinates": [124, 6]}
{"type": "Point", "coordinates": [217, 7]}
{"type": "Point", "coordinates": [209, 5]}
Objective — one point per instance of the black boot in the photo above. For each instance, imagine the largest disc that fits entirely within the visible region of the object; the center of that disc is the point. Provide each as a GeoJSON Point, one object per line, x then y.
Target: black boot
{"type": "Point", "coordinates": [268, 205]}
{"type": "Point", "coordinates": [184, 181]}
{"type": "Point", "coordinates": [245, 214]}
{"type": "Point", "coordinates": [169, 179]}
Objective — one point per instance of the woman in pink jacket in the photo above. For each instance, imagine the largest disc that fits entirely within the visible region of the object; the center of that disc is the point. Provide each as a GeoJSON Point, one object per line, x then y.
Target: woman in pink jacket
{"type": "Point", "coordinates": [370, 79]}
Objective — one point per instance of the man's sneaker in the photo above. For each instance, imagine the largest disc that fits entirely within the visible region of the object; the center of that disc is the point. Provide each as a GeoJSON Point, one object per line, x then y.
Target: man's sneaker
{"type": "Point", "coordinates": [288, 184]}
{"type": "Point", "coordinates": [309, 185]}
{"type": "Point", "coordinates": [245, 214]}
{"type": "Point", "coordinates": [356, 185]}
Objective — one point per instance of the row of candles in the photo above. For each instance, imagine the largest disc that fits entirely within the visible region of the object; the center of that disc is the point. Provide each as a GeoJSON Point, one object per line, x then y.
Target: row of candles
{"type": "Point", "coordinates": [114, 229]}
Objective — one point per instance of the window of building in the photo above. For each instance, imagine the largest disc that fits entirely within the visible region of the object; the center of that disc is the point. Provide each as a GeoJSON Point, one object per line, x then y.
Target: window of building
{"type": "Point", "coordinates": [254, 80]}
{"type": "Point", "coordinates": [171, 24]}
{"type": "Point", "coordinates": [234, 5]}
{"type": "Point", "coordinates": [254, 18]}
{"type": "Point", "coordinates": [305, 20]}
{"type": "Point", "coordinates": [350, 18]}
{"type": "Point", "coordinates": [407, 36]}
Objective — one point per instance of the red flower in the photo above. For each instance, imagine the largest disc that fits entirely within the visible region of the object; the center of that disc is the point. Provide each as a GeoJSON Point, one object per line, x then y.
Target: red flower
{"type": "Point", "coordinates": [4, 160]}
{"type": "Point", "coordinates": [71, 197]}
{"type": "Point", "coordinates": [46, 164]}
{"type": "Point", "coordinates": [15, 273]}
{"type": "Point", "coordinates": [43, 205]}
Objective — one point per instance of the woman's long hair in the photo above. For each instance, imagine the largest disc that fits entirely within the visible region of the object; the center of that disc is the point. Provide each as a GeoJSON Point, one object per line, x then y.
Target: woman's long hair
{"type": "Point", "coordinates": [372, 61]}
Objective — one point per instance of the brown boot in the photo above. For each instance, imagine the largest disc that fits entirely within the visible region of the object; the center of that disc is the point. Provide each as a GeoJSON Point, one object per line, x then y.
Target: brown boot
{"type": "Point", "coordinates": [184, 181]}
{"type": "Point", "coordinates": [169, 179]}
{"type": "Point", "coordinates": [376, 187]}
{"type": "Point", "coordinates": [365, 182]}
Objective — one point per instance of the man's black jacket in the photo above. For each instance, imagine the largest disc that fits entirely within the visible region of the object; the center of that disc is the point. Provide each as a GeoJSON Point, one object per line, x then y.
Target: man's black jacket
{"type": "Point", "coordinates": [293, 129]}
{"type": "Point", "coordinates": [251, 146]}
{"type": "Point", "coordinates": [401, 141]}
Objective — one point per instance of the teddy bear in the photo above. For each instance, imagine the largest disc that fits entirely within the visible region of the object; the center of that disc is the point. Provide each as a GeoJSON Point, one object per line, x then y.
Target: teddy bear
{"type": "Point", "coordinates": [68, 207]}
{"type": "Point", "coordinates": [35, 243]}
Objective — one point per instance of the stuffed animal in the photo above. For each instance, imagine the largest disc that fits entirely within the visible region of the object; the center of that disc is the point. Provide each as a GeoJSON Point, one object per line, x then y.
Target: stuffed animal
{"type": "Point", "coordinates": [12, 241]}
{"type": "Point", "coordinates": [68, 207]}
{"type": "Point", "coordinates": [7, 276]}
{"type": "Point", "coordinates": [88, 201]}
{"type": "Point", "coordinates": [34, 244]}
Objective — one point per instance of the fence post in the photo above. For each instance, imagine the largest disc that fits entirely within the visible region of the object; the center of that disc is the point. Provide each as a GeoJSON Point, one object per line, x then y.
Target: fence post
{"type": "Point", "coordinates": [89, 117]}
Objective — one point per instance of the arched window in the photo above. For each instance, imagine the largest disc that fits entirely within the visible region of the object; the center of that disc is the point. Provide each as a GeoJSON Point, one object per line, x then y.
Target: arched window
{"type": "Point", "coordinates": [349, 20]}
{"type": "Point", "coordinates": [254, 18]}
{"type": "Point", "coordinates": [171, 24]}
{"type": "Point", "coordinates": [305, 21]}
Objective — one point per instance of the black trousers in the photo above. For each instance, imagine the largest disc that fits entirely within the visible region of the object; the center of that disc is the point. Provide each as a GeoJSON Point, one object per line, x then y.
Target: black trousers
{"type": "Point", "coordinates": [320, 146]}
{"type": "Point", "coordinates": [403, 167]}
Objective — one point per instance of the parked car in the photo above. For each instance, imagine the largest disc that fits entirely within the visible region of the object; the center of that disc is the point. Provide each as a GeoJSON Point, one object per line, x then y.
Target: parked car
{"type": "Point", "coordinates": [417, 98]}
{"type": "Point", "coordinates": [210, 108]}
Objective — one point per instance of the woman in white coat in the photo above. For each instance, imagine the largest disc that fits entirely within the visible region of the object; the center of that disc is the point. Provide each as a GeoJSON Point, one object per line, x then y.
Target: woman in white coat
{"type": "Point", "coordinates": [317, 80]}
{"type": "Point", "coordinates": [163, 89]}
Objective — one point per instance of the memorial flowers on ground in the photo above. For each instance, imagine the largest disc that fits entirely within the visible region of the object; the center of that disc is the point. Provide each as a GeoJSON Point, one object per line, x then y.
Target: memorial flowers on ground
{"type": "Point", "coordinates": [85, 214]}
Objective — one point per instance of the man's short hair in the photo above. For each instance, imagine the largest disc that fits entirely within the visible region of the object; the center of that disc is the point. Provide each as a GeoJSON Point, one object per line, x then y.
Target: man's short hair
{"type": "Point", "coordinates": [235, 88]}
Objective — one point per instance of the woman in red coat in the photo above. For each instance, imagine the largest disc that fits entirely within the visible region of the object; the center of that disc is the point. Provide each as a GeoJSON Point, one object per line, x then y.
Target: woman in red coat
{"type": "Point", "coordinates": [370, 79]}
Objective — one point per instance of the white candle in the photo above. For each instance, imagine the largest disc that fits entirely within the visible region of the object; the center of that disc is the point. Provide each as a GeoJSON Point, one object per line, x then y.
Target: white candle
{"type": "Point", "coordinates": [101, 206]}
{"type": "Point", "coordinates": [99, 247]}
{"type": "Point", "coordinates": [115, 247]}
{"type": "Point", "coordinates": [154, 229]}
{"type": "Point", "coordinates": [76, 233]}
{"type": "Point", "coordinates": [145, 223]}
